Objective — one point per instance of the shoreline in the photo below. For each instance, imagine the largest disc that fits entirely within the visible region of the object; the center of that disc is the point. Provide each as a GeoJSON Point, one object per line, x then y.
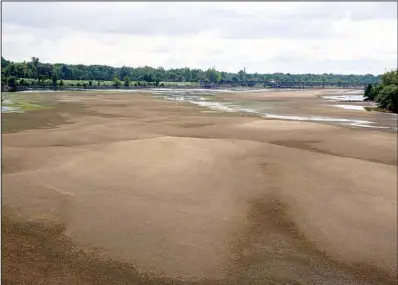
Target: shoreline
{"type": "Point", "coordinates": [230, 100]}
{"type": "Point", "coordinates": [229, 87]}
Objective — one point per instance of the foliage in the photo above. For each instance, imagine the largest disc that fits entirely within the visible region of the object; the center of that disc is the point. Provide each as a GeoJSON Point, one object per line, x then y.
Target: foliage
{"type": "Point", "coordinates": [385, 94]}
{"type": "Point", "coordinates": [157, 81]}
{"type": "Point", "coordinates": [54, 79]}
{"type": "Point", "coordinates": [147, 77]}
{"type": "Point", "coordinates": [213, 75]}
{"type": "Point", "coordinates": [12, 82]}
{"type": "Point", "coordinates": [388, 98]}
{"type": "Point", "coordinates": [390, 77]}
{"type": "Point", "coordinates": [43, 73]}
{"type": "Point", "coordinates": [367, 94]}
{"type": "Point", "coordinates": [116, 82]}
{"type": "Point", "coordinates": [127, 81]}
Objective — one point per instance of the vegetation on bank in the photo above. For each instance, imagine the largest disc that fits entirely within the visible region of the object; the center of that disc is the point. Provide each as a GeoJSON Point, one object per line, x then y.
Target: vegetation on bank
{"type": "Point", "coordinates": [36, 73]}
{"type": "Point", "coordinates": [385, 93]}
{"type": "Point", "coordinates": [84, 83]}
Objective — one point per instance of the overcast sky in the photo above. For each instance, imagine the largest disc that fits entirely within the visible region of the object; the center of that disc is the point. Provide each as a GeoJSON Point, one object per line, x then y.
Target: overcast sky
{"type": "Point", "coordinates": [295, 37]}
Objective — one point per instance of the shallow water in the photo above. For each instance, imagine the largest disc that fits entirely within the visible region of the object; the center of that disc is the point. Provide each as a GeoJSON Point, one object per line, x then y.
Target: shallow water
{"type": "Point", "coordinates": [353, 98]}
{"type": "Point", "coordinates": [351, 107]}
{"type": "Point", "coordinates": [321, 109]}
{"type": "Point", "coordinates": [283, 109]}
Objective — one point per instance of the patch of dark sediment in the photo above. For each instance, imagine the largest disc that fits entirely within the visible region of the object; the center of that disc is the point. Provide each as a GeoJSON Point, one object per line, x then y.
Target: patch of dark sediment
{"type": "Point", "coordinates": [272, 250]}
{"type": "Point", "coordinates": [38, 252]}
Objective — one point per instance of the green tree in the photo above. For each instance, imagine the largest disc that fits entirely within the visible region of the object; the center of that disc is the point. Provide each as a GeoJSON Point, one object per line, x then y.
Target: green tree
{"type": "Point", "coordinates": [35, 63]}
{"type": "Point", "coordinates": [61, 83]}
{"type": "Point", "coordinates": [54, 79]}
{"type": "Point", "coordinates": [213, 75]}
{"type": "Point", "coordinates": [11, 70]}
{"type": "Point", "coordinates": [388, 98]}
{"type": "Point", "coordinates": [148, 77]}
{"type": "Point", "coordinates": [376, 88]}
{"type": "Point", "coordinates": [12, 82]}
{"type": "Point", "coordinates": [127, 81]}
{"type": "Point", "coordinates": [385, 94]}
{"type": "Point", "coordinates": [116, 82]}
{"type": "Point", "coordinates": [241, 75]}
{"type": "Point", "coordinates": [4, 62]}
{"type": "Point", "coordinates": [367, 93]}
{"type": "Point", "coordinates": [36, 70]}
{"type": "Point", "coordinates": [390, 77]}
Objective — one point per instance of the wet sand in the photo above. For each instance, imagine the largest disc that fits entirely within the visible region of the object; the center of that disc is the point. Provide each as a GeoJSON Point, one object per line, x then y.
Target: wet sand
{"type": "Point", "coordinates": [150, 191]}
{"type": "Point", "coordinates": [316, 105]}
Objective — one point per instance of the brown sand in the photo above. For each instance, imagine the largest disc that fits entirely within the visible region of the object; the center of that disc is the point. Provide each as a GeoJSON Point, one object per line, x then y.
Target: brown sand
{"type": "Point", "coordinates": [163, 190]}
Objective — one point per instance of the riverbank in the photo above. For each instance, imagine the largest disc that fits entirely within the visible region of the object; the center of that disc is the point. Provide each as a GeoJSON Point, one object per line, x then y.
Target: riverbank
{"type": "Point", "coordinates": [50, 88]}
{"type": "Point", "coordinates": [182, 195]}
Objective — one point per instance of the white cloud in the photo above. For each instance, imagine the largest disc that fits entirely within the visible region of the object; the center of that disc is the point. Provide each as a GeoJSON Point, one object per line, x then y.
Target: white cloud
{"type": "Point", "coordinates": [265, 37]}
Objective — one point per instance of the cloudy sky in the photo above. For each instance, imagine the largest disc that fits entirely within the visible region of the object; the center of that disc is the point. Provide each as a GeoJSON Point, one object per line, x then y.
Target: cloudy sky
{"type": "Point", "coordinates": [295, 37]}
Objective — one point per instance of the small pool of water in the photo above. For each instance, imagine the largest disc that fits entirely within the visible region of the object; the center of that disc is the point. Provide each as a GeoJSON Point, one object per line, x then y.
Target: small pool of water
{"type": "Point", "coordinates": [279, 110]}
{"type": "Point", "coordinates": [345, 98]}
{"type": "Point", "coordinates": [350, 107]}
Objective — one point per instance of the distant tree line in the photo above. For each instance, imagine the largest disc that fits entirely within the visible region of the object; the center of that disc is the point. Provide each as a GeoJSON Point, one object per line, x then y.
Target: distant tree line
{"type": "Point", "coordinates": [14, 73]}
{"type": "Point", "coordinates": [385, 93]}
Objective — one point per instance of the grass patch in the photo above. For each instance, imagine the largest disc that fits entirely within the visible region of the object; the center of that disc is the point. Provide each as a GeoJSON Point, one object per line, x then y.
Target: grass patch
{"type": "Point", "coordinates": [27, 106]}
{"type": "Point", "coordinates": [23, 105]}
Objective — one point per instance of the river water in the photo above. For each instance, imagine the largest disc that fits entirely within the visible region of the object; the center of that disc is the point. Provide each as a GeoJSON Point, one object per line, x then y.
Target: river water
{"type": "Point", "coordinates": [320, 109]}
{"type": "Point", "coordinates": [345, 109]}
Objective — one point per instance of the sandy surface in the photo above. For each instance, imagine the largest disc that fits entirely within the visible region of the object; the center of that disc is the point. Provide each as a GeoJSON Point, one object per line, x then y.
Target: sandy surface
{"type": "Point", "coordinates": [312, 103]}
{"type": "Point", "coordinates": [169, 191]}
{"type": "Point", "coordinates": [290, 93]}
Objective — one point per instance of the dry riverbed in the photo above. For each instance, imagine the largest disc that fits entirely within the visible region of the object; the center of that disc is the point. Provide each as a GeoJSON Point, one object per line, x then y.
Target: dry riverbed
{"type": "Point", "coordinates": [102, 188]}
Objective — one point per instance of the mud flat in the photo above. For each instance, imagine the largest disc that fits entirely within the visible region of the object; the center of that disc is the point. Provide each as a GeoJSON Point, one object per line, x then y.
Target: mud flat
{"type": "Point", "coordinates": [113, 188]}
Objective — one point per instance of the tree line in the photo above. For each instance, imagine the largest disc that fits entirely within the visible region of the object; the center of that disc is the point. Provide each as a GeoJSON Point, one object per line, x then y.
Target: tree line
{"type": "Point", "coordinates": [385, 93]}
{"type": "Point", "coordinates": [42, 73]}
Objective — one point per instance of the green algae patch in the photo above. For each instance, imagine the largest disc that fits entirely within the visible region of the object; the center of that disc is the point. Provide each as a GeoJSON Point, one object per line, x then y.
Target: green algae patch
{"type": "Point", "coordinates": [23, 105]}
